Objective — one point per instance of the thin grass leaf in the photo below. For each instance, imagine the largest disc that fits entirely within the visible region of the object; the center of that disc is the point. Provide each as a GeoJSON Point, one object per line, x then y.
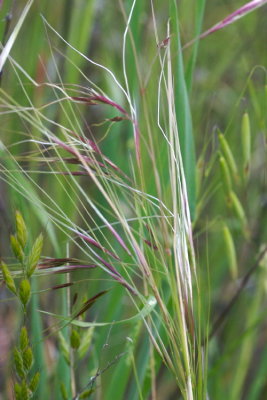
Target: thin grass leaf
{"type": "Point", "coordinates": [143, 313]}
{"type": "Point", "coordinates": [89, 303]}
{"type": "Point", "coordinates": [200, 8]}
{"type": "Point", "coordinates": [62, 286]}
{"type": "Point", "coordinates": [82, 15]}
{"type": "Point", "coordinates": [73, 268]}
{"type": "Point", "coordinates": [7, 48]}
{"type": "Point", "coordinates": [183, 112]}
{"type": "Point", "coordinates": [55, 262]}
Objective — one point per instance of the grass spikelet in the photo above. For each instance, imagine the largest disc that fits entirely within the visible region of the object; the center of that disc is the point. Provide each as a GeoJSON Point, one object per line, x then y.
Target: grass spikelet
{"type": "Point", "coordinates": [199, 174]}
{"type": "Point", "coordinates": [34, 382]}
{"type": "Point", "coordinates": [24, 340]}
{"type": "Point", "coordinates": [85, 343]}
{"type": "Point", "coordinates": [8, 279]}
{"type": "Point", "coordinates": [75, 339]}
{"type": "Point", "coordinates": [17, 390]}
{"type": "Point", "coordinates": [25, 395]}
{"type": "Point", "coordinates": [18, 361]}
{"type": "Point", "coordinates": [230, 252]}
{"type": "Point", "coordinates": [16, 247]}
{"type": "Point", "coordinates": [239, 211]}
{"type": "Point", "coordinates": [27, 357]}
{"type": "Point", "coordinates": [246, 144]}
{"type": "Point", "coordinates": [21, 230]}
{"type": "Point", "coordinates": [229, 157]}
{"type": "Point", "coordinates": [35, 255]}
{"type": "Point", "coordinates": [24, 292]}
{"type": "Point", "coordinates": [226, 177]}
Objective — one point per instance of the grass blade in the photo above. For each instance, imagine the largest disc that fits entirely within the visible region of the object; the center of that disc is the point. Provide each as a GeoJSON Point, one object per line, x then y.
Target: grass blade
{"type": "Point", "coordinates": [183, 111]}
{"type": "Point", "coordinates": [7, 48]}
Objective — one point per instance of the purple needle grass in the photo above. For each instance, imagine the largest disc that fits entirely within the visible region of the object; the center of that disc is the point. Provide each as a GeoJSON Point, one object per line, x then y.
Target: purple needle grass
{"type": "Point", "coordinates": [84, 163]}
{"type": "Point", "coordinates": [95, 99]}
{"type": "Point", "coordinates": [230, 19]}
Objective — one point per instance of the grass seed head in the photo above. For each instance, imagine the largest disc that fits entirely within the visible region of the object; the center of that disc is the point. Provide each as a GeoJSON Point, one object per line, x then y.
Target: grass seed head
{"type": "Point", "coordinates": [34, 382]}
{"type": "Point", "coordinates": [35, 255]}
{"type": "Point", "coordinates": [75, 339]}
{"type": "Point", "coordinates": [27, 357]}
{"type": "Point", "coordinates": [16, 247]}
{"type": "Point", "coordinates": [227, 153]}
{"type": "Point", "coordinates": [246, 143]}
{"type": "Point", "coordinates": [9, 281]}
{"type": "Point", "coordinates": [230, 252]}
{"type": "Point", "coordinates": [226, 177]}
{"type": "Point", "coordinates": [25, 292]}
{"type": "Point", "coordinates": [18, 361]}
{"type": "Point", "coordinates": [24, 339]}
{"type": "Point", "coordinates": [239, 212]}
{"type": "Point", "coordinates": [21, 230]}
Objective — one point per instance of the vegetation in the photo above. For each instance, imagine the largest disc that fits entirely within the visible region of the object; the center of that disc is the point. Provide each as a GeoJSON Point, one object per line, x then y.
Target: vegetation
{"type": "Point", "coordinates": [134, 139]}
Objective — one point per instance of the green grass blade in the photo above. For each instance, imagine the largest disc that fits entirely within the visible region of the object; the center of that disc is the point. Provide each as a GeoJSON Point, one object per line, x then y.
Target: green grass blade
{"type": "Point", "coordinates": [183, 111]}
{"type": "Point", "coordinates": [7, 48]}
{"type": "Point", "coordinates": [200, 8]}
{"type": "Point", "coordinates": [83, 13]}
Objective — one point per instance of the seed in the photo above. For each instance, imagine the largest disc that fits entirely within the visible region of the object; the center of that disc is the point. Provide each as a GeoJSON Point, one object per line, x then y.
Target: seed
{"type": "Point", "coordinates": [239, 212]}
{"type": "Point", "coordinates": [21, 230]}
{"type": "Point", "coordinates": [35, 255]}
{"type": "Point", "coordinates": [199, 174]}
{"type": "Point", "coordinates": [226, 178]}
{"type": "Point", "coordinates": [246, 143]}
{"type": "Point", "coordinates": [16, 247]}
{"type": "Point", "coordinates": [24, 291]}
{"type": "Point", "coordinates": [9, 281]}
{"type": "Point", "coordinates": [229, 157]}
{"type": "Point", "coordinates": [230, 252]}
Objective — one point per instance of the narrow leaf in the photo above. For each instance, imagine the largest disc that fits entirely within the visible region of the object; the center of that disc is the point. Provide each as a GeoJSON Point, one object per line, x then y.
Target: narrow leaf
{"type": "Point", "coordinates": [144, 312]}
{"type": "Point", "coordinates": [6, 50]}
{"type": "Point", "coordinates": [89, 303]}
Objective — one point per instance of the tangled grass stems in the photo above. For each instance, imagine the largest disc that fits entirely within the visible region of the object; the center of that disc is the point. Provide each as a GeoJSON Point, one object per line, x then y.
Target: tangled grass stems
{"type": "Point", "coordinates": [176, 321]}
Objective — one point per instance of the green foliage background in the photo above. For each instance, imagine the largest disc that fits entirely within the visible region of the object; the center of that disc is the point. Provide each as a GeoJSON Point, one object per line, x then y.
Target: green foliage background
{"type": "Point", "coordinates": [216, 82]}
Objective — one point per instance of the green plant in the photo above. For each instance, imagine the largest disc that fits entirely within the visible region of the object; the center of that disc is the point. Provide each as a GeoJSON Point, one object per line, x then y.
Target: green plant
{"type": "Point", "coordinates": [142, 298]}
{"type": "Point", "coordinates": [26, 382]}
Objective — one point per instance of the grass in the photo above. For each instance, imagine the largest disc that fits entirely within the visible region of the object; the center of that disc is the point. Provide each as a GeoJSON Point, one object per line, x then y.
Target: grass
{"type": "Point", "coordinates": [141, 157]}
